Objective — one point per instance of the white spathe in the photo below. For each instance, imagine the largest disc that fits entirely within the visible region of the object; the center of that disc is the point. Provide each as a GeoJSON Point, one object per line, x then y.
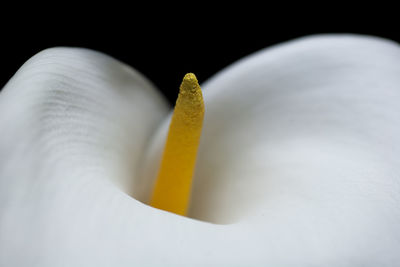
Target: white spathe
{"type": "Point", "coordinates": [300, 154]}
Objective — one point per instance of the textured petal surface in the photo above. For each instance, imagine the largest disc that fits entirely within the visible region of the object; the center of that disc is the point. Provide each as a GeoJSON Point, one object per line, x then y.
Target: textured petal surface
{"type": "Point", "coordinates": [70, 119]}
{"type": "Point", "coordinates": [299, 154]}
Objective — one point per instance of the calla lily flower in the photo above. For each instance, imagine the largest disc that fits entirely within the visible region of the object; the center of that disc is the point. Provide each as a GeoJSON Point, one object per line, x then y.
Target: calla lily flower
{"type": "Point", "coordinates": [298, 163]}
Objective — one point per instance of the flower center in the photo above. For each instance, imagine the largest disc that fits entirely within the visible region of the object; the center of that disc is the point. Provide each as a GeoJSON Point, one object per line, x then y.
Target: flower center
{"type": "Point", "coordinates": [174, 181]}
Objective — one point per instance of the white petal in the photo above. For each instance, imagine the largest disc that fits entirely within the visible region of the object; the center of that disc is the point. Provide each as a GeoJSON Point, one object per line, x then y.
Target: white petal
{"type": "Point", "coordinates": [301, 142]}
{"type": "Point", "coordinates": [62, 210]}
{"type": "Point", "coordinates": [70, 119]}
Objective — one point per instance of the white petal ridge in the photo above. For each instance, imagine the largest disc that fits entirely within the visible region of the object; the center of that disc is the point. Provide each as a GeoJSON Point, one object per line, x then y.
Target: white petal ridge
{"type": "Point", "coordinates": [80, 109]}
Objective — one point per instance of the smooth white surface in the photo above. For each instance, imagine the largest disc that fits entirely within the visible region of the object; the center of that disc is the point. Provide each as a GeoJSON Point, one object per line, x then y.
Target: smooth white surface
{"type": "Point", "coordinates": [300, 154]}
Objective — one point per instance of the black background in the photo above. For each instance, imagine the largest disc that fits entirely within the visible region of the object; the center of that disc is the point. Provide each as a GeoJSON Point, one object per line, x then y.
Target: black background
{"type": "Point", "coordinates": [166, 47]}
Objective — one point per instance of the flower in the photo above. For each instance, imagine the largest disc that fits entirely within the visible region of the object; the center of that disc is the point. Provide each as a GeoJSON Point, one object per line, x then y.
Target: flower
{"type": "Point", "coordinates": [297, 165]}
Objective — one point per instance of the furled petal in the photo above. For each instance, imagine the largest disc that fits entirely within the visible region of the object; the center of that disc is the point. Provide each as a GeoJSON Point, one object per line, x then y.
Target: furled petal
{"type": "Point", "coordinates": [304, 140]}
{"type": "Point", "coordinates": [295, 151]}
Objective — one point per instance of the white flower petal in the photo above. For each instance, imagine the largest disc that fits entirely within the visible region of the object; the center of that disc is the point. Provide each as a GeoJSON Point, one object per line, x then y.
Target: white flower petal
{"type": "Point", "coordinates": [72, 122]}
{"type": "Point", "coordinates": [299, 129]}
{"type": "Point", "coordinates": [303, 140]}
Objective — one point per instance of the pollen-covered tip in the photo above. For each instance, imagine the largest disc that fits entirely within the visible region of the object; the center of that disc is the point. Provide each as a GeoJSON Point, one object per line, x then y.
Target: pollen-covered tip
{"type": "Point", "coordinates": [190, 83]}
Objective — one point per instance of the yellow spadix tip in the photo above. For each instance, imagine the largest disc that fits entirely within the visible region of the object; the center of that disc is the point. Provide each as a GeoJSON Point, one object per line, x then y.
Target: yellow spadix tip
{"type": "Point", "coordinates": [173, 186]}
{"type": "Point", "coordinates": [190, 83]}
